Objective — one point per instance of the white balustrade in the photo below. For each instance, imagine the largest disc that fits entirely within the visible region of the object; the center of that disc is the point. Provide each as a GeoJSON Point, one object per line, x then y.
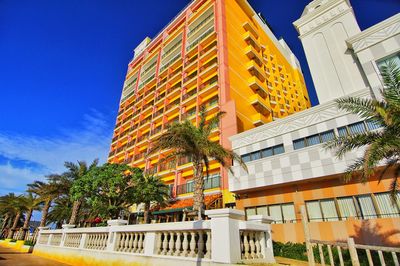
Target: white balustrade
{"type": "Point", "coordinates": [184, 243]}
{"type": "Point", "coordinates": [250, 243]}
{"type": "Point", "coordinates": [44, 238]}
{"type": "Point", "coordinates": [96, 241]}
{"type": "Point", "coordinates": [225, 238]}
{"type": "Point", "coordinates": [55, 239]}
{"type": "Point", "coordinates": [72, 240]}
{"type": "Point", "coordinates": [132, 242]}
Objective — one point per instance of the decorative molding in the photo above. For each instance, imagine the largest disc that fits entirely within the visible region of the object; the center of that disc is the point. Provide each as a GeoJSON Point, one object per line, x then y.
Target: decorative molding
{"type": "Point", "coordinates": [319, 17]}
{"type": "Point", "coordinates": [375, 34]}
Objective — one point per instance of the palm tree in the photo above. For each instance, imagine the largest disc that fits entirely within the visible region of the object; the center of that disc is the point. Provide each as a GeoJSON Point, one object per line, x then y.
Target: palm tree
{"type": "Point", "coordinates": [60, 211]}
{"type": "Point", "coordinates": [76, 171]}
{"type": "Point", "coordinates": [47, 192]}
{"type": "Point", "coordinates": [31, 203]}
{"type": "Point", "coordinates": [17, 204]}
{"type": "Point", "coordinates": [7, 210]}
{"type": "Point", "coordinates": [188, 140]}
{"type": "Point", "coordinates": [150, 189]}
{"type": "Point", "coordinates": [381, 145]}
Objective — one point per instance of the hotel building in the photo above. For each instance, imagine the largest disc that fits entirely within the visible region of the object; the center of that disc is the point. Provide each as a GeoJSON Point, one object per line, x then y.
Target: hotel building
{"type": "Point", "coordinates": [219, 54]}
{"type": "Point", "coordinates": [288, 165]}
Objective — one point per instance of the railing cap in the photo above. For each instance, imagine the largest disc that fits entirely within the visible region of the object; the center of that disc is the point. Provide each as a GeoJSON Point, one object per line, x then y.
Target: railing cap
{"type": "Point", "coordinates": [265, 219]}
{"type": "Point", "coordinates": [226, 213]}
{"type": "Point", "coordinates": [67, 226]}
{"type": "Point", "coordinates": [117, 222]}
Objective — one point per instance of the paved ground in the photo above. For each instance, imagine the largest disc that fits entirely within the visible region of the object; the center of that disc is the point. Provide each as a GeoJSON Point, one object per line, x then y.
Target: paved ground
{"type": "Point", "coordinates": [10, 257]}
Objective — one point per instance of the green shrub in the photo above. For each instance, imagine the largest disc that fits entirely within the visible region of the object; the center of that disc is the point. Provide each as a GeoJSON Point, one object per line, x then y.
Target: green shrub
{"type": "Point", "coordinates": [298, 251]}
{"type": "Point", "coordinates": [29, 243]}
{"type": "Point", "coordinates": [13, 240]}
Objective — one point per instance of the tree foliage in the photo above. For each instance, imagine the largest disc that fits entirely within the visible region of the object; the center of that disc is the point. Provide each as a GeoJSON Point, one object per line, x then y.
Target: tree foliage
{"type": "Point", "coordinates": [381, 146]}
{"type": "Point", "coordinates": [108, 189]}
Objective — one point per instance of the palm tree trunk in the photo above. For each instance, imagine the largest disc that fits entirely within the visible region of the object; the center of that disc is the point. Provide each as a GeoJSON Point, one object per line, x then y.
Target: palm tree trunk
{"type": "Point", "coordinates": [198, 195]}
{"type": "Point", "coordinates": [146, 212]}
{"type": "Point", "coordinates": [75, 211]}
{"type": "Point", "coordinates": [45, 211]}
{"type": "Point", "coordinates": [5, 222]}
{"type": "Point", "coordinates": [25, 228]}
{"type": "Point", "coordinates": [14, 226]}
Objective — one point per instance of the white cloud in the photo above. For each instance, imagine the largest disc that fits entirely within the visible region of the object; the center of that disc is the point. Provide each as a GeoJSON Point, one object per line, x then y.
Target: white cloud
{"type": "Point", "coordinates": [49, 154]}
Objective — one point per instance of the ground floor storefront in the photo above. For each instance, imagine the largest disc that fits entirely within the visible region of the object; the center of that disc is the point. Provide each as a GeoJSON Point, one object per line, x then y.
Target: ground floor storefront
{"type": "Point", "coordinates": [335, 210]}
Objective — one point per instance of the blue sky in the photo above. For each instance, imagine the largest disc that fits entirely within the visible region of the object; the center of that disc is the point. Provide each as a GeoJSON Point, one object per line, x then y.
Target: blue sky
{"type": "Point", "coordinates": [63, 65]}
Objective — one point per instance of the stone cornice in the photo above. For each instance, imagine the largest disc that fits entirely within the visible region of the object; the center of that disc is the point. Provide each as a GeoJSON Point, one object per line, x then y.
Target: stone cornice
{"type": "Point", "coordinates": [375, 34]}
{"type": "Point", "coordinates": [318, 12]}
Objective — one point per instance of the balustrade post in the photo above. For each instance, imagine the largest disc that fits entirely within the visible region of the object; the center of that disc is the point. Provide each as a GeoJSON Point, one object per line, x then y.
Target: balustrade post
{"type": "Point", "coordinates": [83, 241]}
{"type": "Point", "coordinates": [112, 241]}
{"type": "Point", "coordinates": [353, 252]}
{"type": "Point", "coordinates": [150, 243]}
{"type": "Point", "coordinates": [225, 229]}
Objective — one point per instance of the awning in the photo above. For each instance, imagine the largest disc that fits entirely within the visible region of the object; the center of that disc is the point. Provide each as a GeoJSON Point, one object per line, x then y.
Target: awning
{"type": "Point", "coordinates": [180, 205]}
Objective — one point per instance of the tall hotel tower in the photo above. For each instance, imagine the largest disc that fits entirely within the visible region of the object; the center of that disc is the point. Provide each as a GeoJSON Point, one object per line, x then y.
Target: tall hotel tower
{"type": "Point", "coordinates": [215, 53]}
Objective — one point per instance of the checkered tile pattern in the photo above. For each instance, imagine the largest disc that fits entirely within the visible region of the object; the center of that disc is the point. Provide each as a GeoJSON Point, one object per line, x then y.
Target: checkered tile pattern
{"type": "Point", "coordinates": [292, 165]}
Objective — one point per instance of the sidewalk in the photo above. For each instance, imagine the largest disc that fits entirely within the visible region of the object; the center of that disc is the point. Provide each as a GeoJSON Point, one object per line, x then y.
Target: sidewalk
{"type": "Point", "coordinates": [11, 257]}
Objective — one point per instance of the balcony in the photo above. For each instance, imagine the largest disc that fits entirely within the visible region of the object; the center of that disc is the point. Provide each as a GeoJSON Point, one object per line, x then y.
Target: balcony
{"type": "Point", "coordinates": [208, 68]}
{"type": "Point", "coordinates": [206, 36]}
{"type": "Point", "coordinates": [251, 53]}
{"type": "Point", "coordinates": [259, 104]}
{"type": "Point", "coordinates": [251, 40]}
{"type": "Point", "coordinates": [209, 183]}
{"type": "Point", "coordinates": [259, 119]}
{"type": "Point", "coordinates": [255, 70]}
{"type": "Point", "coordinates": [257, 86]}
{"type": "Point", "coordinates": [250, 28]}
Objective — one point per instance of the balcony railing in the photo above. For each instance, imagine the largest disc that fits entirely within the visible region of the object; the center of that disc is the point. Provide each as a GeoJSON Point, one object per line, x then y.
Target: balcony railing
{"type": "Point", "coordinates": [201, 37]}
{"type": "Point", "coordinates": [209, 183]}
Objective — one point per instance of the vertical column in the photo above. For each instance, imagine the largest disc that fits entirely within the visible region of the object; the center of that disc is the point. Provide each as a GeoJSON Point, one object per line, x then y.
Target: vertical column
{"type": "Point", "coordinates": [225, 227]}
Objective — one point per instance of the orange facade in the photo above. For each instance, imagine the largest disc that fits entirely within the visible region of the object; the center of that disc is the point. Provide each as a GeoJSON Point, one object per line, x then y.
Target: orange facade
{"type": "Point", "coordinates": [216, 54]}
{"type": "Point", "coordinates": [379, 229]}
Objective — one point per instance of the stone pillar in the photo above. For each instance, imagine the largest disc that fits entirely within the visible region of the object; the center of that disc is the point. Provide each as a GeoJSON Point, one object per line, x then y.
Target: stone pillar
{"type": "Point", "coordinates": [150, 244]}
{"type": "Point", "coordinates": [266, 244]}
{"type": "Point", "coordinates": [225, 235]}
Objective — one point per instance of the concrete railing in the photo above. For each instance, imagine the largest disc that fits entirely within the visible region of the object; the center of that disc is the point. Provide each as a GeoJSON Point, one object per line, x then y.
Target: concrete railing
{"type": "Point", "coordinates": [224, 238]}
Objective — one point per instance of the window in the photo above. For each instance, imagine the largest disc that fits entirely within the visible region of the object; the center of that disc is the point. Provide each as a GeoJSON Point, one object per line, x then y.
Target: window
{"type": "Point", "coordinates": [387, 207]}
{"type": "Point", "coordinates": [278, 149]}
{"type": "Point", "coordinates": [255, 155]}
{"type": "Point", "coordinates": [342, 131]}
{"type": "Point", "coordinates": [366, 206]}
{"type": "Point", "coordinates": [384, 62]}
{"type": "Point", "coordinates": [313, 140]}
{"type": "Point", "coordinates": [246, 158]}
{"type": "Point", "coordinates": [280, 213]}
{"type": "Point", "coordinates": [289, 215]}
{"type": "Point", "coordinates": [372, 125]}
{"type": "Point", "coordinates": [314, 211]}
{"type": "Point", "coordinates": [299, 143]}
{"type": "Point", "coordinates": [357, 128]}
{"type": "Point", "coordinates": [347, 208]}
{"type": "Point", "coordinates": [329, 210]}
{"type": "Point", "coordinates": [276, 213]}
{"type": "Point", "coordinates": [322, 210]}
{"type": "Point", "coordinates": [267, 152]}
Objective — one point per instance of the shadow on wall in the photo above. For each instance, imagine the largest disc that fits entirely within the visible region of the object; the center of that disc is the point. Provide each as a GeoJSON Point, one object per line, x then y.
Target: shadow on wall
{"type": "Point", "coordinates": [371, 233]}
